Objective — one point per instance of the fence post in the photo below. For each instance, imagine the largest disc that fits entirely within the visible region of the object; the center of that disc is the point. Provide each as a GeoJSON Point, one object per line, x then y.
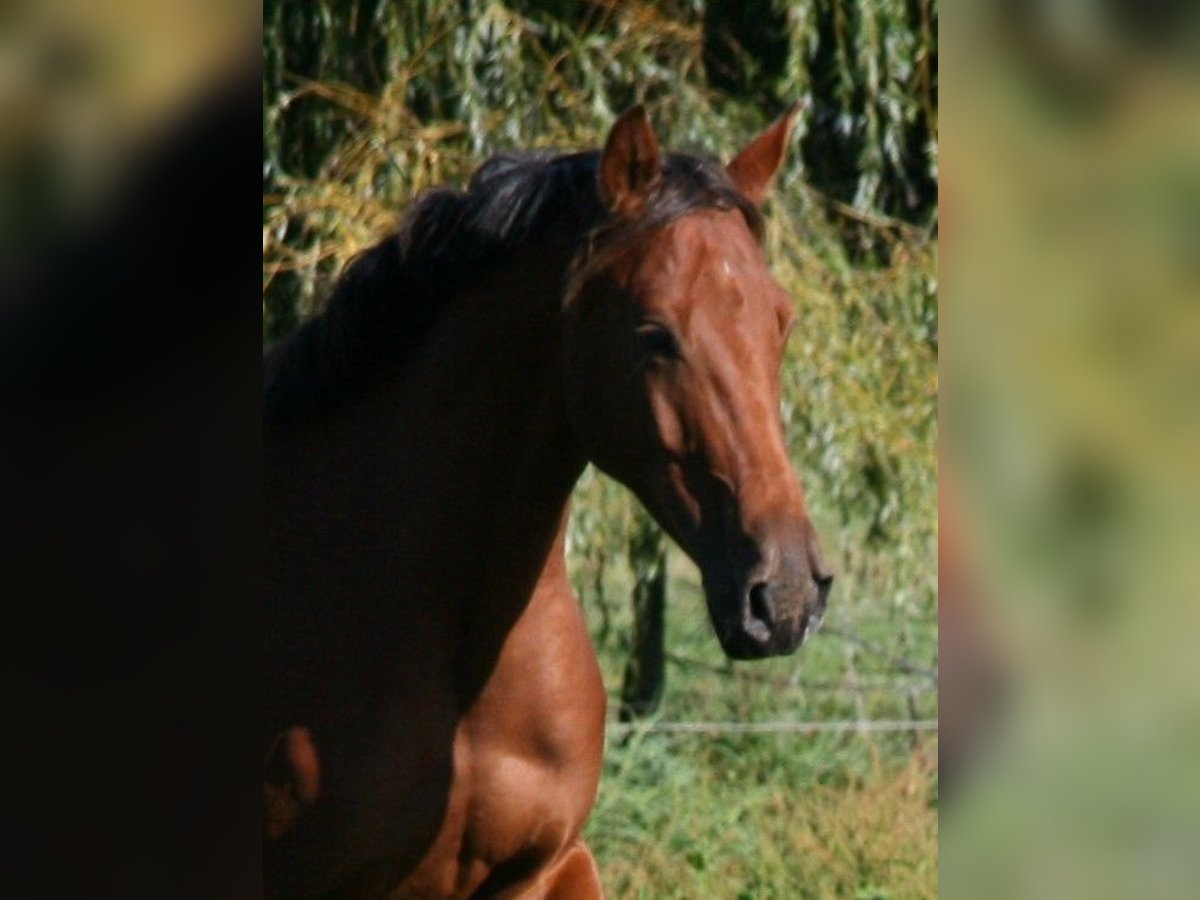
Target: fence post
{"type": "Point", "coordinates": [645, 671]}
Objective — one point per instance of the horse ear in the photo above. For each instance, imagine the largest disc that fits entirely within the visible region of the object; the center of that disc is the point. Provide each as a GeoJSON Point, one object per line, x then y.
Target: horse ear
{"type": "Point", "coordinates": [630, 165]}
{"type": "Point", "coordinates": [753, 170]}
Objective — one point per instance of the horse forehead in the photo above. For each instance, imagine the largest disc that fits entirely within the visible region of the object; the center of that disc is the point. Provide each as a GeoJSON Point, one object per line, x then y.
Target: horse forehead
{"type": "Point", "coordinates": [710, 254]}
{"type": "Point", "coordinates": [706, 244]}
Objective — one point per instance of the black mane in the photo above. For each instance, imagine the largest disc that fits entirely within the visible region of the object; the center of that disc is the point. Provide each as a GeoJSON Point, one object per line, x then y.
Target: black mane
{"type": "Point", "coordinates": [388, 298]}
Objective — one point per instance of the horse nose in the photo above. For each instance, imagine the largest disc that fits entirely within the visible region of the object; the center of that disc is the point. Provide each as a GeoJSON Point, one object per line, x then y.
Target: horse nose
{"type": "Point", "coordinates": [762, 613]}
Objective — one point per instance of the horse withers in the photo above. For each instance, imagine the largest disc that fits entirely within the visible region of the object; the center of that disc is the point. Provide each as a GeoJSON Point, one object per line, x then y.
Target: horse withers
{"type": "Point", "coordinates": [435, 714]}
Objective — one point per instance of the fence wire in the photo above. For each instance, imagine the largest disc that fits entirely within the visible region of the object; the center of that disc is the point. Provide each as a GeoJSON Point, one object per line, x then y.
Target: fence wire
{"type": "Point", "coordinates": [873, 726]}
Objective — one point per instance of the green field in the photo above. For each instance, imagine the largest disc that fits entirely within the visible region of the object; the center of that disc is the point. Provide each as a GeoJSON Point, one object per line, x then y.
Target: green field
{"type": "Point", "coordinates": [367, 104]}
{"type": "Point", "coordinates": [780, 814]}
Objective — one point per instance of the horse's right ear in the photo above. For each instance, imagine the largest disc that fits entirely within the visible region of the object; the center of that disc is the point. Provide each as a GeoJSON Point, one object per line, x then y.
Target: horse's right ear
{"type": "Point", "coordinates": [630, 166]}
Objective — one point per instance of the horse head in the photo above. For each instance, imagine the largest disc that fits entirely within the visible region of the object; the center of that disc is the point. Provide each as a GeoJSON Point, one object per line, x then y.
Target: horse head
{"type": "Point", "coordinates": [674, 339]}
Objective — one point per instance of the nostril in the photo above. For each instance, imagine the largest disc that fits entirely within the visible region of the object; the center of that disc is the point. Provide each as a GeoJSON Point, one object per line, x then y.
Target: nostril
{"type": "Point", "coordinates": [824, 583]}
{"type": "Point", "coordinates": [761, 607]}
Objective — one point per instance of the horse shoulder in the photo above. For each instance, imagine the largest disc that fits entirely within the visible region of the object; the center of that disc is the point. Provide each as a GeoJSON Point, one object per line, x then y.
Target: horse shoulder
{"type": "Point", "coordinates": [533, 743]}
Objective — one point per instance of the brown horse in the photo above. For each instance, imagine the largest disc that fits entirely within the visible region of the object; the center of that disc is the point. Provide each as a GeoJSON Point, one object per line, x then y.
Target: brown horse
{"type": "Point", "coordinates": [434, 707]}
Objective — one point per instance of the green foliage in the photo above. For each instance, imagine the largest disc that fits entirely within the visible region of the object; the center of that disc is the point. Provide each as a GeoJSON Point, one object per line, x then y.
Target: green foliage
{"type": "Point", "coordinates": [368, 103]}
{"type": "Point", "coordinates": [868, 69]}
{"type": "Point", "coordinates": [872, 65]}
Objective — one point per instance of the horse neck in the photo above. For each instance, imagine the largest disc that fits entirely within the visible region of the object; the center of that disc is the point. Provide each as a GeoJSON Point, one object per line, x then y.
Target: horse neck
{"type": "Point", "coordinates": [475, 435]}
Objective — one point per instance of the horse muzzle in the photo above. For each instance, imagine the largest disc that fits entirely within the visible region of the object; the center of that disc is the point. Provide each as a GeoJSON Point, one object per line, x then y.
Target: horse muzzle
{"type": "Point", "coordinates": [770, 618]}
{"type": "Point", "coordinates": [773, 609]}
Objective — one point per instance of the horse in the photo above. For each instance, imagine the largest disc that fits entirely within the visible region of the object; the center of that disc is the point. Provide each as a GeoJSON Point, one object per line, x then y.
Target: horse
{"type": "Point", "coordinates": [434, 709]}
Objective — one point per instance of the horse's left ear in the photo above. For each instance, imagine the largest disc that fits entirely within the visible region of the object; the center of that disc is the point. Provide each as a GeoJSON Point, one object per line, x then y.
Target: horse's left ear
{"type": "Point", "coordinates": [753, 170]}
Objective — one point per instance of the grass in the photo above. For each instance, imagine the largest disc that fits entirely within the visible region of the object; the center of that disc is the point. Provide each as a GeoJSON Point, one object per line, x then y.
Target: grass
{"type": "Point", "coordinates": [766, 815]}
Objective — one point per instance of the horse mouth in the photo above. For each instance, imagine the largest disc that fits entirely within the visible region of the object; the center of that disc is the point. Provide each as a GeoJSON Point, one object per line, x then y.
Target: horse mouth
{"type": "Point", "coordinates": [745, 636]}
{"type": "Point", "coordinates": [740, 645]}
{"type": "Point", "coordinates": [740, 648]}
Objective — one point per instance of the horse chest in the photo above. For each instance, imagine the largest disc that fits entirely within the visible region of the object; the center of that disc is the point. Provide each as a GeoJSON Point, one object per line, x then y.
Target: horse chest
{"type": "Point", "coordinates": [527, 759]}
{"type": "Point", "coordinates": [519, 812]}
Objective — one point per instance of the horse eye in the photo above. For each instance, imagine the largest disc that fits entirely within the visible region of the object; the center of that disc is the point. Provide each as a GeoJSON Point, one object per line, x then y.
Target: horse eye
{"type": "Point", "coordinates": [657, 342]}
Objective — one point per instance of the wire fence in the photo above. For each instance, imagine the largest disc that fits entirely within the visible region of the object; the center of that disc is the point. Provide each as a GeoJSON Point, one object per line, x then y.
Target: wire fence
{"type": "Point", "coordinates": [921, 680]}
{"type": "Point", "coordinates": [850, 686]}
{"type": "Point", "coordinates": [890, 660]}
{"type": "Point", "coordinates": [868, 726]}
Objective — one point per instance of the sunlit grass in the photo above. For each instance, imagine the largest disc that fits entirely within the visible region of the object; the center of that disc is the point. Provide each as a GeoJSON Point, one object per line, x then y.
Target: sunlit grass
{"type": "Point", "coordinates": [767, 816]}
{"type": "Point", "coordinates": [775, 815]}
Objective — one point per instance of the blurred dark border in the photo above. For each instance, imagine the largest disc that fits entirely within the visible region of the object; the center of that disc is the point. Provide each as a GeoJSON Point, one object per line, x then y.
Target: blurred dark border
{"type": "Point", "coordinates": [130, 371]}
